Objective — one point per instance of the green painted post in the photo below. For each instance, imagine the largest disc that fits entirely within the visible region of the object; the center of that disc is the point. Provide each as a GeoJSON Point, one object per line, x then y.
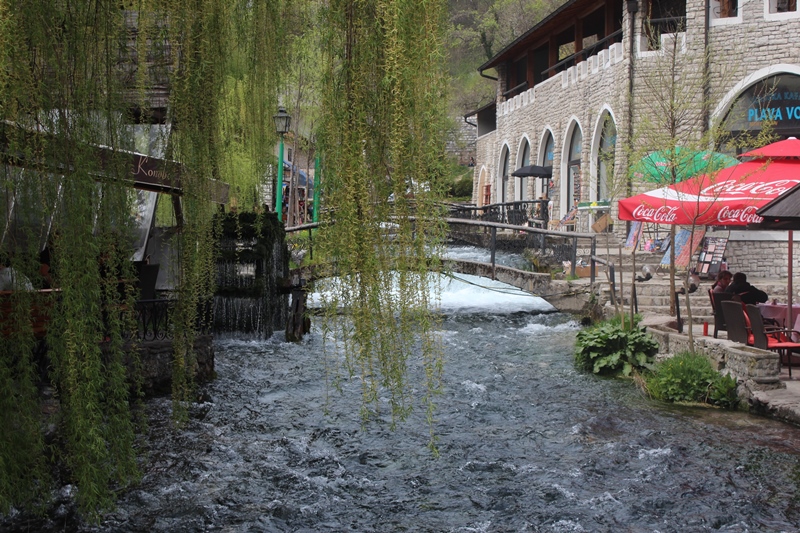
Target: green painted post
{"type": "Point", "coordinates": [315, 218]}
{"type": "Point", "coordinates": [279, 192]}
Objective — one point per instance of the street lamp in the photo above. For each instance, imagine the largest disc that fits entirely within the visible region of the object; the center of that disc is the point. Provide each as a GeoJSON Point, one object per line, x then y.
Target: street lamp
{"type": "Point", "coordinates": [282, 122]}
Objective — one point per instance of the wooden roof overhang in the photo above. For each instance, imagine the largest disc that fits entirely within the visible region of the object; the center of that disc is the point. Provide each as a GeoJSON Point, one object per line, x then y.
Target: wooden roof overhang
{"type": "Point", "coordinates": [554, 24]}
{"type": "Point", "coordinates": [146, 172]}
{"type": "Point", "coordinates": [782, 213]}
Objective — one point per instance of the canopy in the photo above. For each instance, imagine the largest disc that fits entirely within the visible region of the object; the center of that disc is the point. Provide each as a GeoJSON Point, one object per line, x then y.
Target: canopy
{"type": "Point", "coordinates": [656, 166]}
{"type": "Point", "coordinates": [533, 171]}
{"type": "Point", "coordinates": [789, 148]}
{"type": "Point", "coordinates": [302, 179]}
{"type": "Point", "coordinates": [729, 197]}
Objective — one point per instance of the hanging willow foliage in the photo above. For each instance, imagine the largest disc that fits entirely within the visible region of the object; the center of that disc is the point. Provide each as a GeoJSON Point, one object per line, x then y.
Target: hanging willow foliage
{"type": "Point", "coordinates": [73, 74]}
{"type": "Point", "coordinates": [382, 139]}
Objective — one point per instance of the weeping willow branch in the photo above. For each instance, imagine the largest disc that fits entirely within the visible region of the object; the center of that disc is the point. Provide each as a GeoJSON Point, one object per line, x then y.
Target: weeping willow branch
{"type": "Point", "coordinates": [382, 140]}
{"type": "Point", "coordinates": [75, 75]}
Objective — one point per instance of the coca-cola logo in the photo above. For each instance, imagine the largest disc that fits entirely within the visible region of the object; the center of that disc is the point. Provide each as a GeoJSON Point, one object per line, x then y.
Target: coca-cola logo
{"type": "Point", "coordinates": [741, 215]}
{"type": "Point", "coordinates": [662, 213]}
{"type": "Point", "coordinates": [732, 188]}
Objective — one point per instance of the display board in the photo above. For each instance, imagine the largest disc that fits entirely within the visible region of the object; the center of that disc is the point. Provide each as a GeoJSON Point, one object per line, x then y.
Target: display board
{"type": "Point", "coordinates": [633, 236]}
{"type": "Point", "coordinates": [710, 260]}
{"type": "Point", "coordinates": [683, 249]}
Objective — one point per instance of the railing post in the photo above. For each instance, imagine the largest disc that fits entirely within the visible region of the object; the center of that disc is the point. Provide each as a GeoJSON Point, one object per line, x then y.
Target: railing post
{"type": "Point", "coordinates": [574, 256]}
{"type": "Point", "coordinates": [494, 243]}
{"type": "Point", "coordinates": [613, 275]}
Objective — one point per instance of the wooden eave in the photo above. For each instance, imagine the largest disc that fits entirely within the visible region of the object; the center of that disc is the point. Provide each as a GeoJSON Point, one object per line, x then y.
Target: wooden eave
{"type": "Point", "coordinates": [782, 213]}
{"type": "Point", "coordinates": [146, 173]}
{"type": "Point", "coordinates": [556, 22]}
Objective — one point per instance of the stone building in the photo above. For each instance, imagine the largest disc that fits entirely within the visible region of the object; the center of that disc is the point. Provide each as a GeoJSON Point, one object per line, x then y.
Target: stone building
{"type": "Point", "coordinates": [577, 92]}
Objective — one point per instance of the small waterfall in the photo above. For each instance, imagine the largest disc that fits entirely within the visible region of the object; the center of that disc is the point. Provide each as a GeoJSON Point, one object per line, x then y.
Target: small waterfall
{"type": "Point", "coordinates": [253, 257]}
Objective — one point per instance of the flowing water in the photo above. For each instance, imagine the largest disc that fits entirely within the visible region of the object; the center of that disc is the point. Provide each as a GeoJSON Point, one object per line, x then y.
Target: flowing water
{"type": "Point", "coordinates": [526, 443]}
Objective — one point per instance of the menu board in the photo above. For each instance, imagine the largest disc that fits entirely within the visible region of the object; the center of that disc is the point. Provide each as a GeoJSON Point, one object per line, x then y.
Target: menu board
{"type": "Point", "coordinates": [710, 260]}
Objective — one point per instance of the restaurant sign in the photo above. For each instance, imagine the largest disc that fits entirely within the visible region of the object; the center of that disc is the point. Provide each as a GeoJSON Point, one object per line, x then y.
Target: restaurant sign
{"type": "Point", "coordinates": [775, 99]}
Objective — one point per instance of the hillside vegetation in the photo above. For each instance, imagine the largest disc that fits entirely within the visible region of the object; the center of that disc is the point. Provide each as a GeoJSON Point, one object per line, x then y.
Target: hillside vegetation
{"type": "Point", "coordinates": [479, 29]}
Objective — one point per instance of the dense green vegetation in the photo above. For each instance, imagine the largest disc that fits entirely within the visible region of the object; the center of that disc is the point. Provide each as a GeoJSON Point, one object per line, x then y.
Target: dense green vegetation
{"type": "Point", "coordinates": [688, 377]}
{"type": "Point", "coordinates": [479, 29]}
{"type": "Point", "coordinates": [77, 76]}
{"type": "Point", "coordinates": [615, 347]}
{"type": "Point", "coordinates": [366, 84]}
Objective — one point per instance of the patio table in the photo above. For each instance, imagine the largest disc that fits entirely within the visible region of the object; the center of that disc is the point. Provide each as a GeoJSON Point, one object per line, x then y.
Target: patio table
{"type": "Point", "coordinates": [777, 312]}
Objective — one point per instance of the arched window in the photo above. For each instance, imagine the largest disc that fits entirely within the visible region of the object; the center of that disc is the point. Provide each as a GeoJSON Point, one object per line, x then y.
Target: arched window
{"type": "Point", "coordinates": [502, 186]}
{"type": "Point", "coordinates": [543, 186]}
{"type": "Point", "coordinates": [572, 190]}
{"type": "Point", "coordinates": [521, 191]}
{"type": "Point", "coordinates": [772, 99]}
{"type": "Point", "coordinates": [605, 158]}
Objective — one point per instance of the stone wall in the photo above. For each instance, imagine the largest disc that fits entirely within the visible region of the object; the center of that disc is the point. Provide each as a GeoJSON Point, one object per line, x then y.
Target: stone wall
{"type": "Point", "coordinates": [461, 142]}
{"type": "Point", "coordinates": [156, 362]}
{"type": "Point", "coordinates": [754, 369]}
{"type": "Point", "coordinates": [742, 50]}
{"type": "Point", "coordinates": [763, 258]}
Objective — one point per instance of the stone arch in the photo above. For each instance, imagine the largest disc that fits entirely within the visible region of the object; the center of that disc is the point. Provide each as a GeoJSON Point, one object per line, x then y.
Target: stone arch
{"type": "Point", "coordinates": [545, 158]}
{"type": "Point", "coordinates": [571, 166]}
{"type": "Point", "coordinates": [605, 122]}
{"type": "Point", "coordinates": [521, 185]}
{"type": "Point", "coordinates": [727, 101]}
{"type": "Point", "coordinates": [503, 175]}
{"type": "Point", "coordinates": [484, 181]}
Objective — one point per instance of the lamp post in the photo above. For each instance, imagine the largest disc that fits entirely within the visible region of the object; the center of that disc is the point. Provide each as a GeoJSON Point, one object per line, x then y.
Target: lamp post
{"type": "Point", "coordinates": [315, 214]}
{"type": "Point", "coordinates": [282, 122]}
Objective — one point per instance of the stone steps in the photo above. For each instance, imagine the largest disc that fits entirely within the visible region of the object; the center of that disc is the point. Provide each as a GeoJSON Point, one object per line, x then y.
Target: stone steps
{"type": "Point", "coordinates": [653, 296]}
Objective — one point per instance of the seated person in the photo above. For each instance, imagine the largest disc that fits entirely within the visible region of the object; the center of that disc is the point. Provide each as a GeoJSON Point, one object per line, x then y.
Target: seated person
{"type": "Point", "coordinates": [748, 293]}
{"type": "Point", "coordinates": [723, 280]}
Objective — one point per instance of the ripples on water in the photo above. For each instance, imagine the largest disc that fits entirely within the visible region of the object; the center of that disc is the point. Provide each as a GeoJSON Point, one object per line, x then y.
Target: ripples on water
{"type": "Point", "coordinates": [526, 442]}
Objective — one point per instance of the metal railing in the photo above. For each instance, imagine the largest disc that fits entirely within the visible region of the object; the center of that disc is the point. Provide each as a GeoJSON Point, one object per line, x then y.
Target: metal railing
{"type": "Point", "coordinates": [483, 223]}
{"type": "Point", "coordinates": [521, 213]}
{"type": "Point", "coordinates": [153, 320]}
{"type": "Point", "coordinates": [584, 54]}
{"type": "Point", "coordinates": [554, 247]}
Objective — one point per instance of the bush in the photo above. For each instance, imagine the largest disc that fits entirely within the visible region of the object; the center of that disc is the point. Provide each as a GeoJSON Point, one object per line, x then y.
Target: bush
{"type": "Point", "coordinates": [462, 187]}
{"type": "Point", "coordinates": [611, 348]}
{"type": "Point", "coordinates": [688, 377]}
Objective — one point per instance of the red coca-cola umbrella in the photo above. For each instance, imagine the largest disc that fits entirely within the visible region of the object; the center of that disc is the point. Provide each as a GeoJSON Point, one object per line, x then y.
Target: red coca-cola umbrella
{"type": "Point", "coordinates": [729, 197]}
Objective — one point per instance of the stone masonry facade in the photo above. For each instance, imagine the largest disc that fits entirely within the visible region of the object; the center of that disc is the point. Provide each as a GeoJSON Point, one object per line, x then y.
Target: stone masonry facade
{"type": "Point", "coordinates": [750, 47]}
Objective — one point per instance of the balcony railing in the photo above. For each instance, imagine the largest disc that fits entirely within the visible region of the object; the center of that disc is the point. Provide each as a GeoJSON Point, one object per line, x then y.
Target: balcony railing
{"type": "Point", "coordinates": [584, 54]}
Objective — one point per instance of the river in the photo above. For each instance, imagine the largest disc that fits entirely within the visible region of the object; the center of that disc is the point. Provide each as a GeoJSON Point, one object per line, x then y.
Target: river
{"type": "Point", "coordinates": [526, 443]}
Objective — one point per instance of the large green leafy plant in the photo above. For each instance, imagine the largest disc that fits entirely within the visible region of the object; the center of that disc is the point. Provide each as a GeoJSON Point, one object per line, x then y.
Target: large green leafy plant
{"type": "Point", "coordinates": [611, 348]}
{"type": "Point", "coordinates": [688, 377]}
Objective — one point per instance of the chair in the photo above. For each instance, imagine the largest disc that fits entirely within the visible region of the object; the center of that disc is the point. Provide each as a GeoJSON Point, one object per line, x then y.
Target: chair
{"type": "Point", "coordinates": [716, 305]}
{"type": "Point", "coordinates": [738, 330]}
{"type": "Point", "coordinates": [771, 338]}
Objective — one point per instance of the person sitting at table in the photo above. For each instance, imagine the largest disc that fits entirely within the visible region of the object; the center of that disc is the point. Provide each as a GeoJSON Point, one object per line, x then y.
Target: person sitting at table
{"type": "Point", "coordinates": [745, 291]}
{"type": "Point", "coordinates": [723, 280]}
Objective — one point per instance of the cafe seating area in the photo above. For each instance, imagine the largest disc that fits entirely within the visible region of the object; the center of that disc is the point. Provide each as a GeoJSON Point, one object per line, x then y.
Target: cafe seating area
{"type": "Point", "coordinates": [761, 326]}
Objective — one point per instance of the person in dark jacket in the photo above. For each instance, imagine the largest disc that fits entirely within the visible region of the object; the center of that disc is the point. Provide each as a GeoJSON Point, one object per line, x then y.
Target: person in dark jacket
{"type": "Point", "coordinates": [748, 293]}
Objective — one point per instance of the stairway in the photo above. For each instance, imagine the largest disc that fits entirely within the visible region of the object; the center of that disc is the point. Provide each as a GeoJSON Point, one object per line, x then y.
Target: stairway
{"type": "Point", "coordinates": [653, 296]}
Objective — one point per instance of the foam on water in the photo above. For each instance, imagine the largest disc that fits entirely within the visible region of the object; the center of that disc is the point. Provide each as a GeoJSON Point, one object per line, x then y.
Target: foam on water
{"type": "Point", "coordinates": [465, 293]}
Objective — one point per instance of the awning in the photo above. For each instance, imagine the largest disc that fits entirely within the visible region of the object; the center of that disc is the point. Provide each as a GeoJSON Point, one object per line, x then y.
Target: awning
{"type": "Point", "coordinates": [730, 197]}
